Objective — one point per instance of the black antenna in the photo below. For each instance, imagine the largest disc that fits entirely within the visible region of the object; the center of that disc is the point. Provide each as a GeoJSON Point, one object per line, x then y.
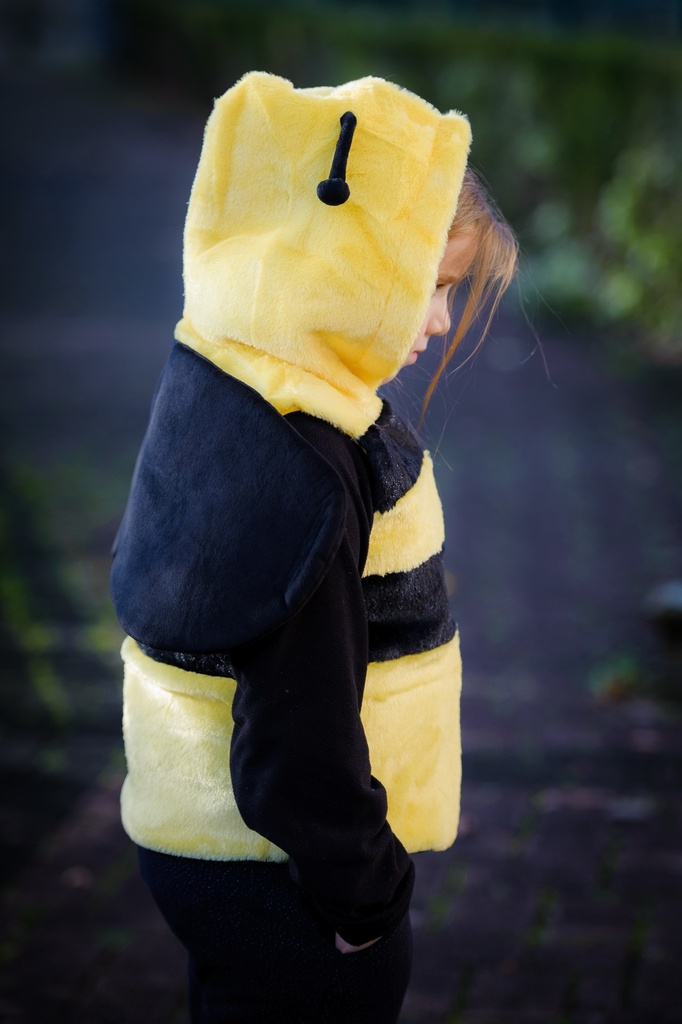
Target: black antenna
{"type": "Point", "coordinates": [334, 190]}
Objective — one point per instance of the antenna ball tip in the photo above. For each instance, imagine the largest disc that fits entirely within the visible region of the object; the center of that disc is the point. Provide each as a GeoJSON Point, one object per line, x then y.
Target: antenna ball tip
{"type": "Point", "coordinates": [333, 191]}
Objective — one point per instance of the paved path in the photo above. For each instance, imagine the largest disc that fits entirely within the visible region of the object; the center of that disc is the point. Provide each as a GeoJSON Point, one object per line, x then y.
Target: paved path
{"type": "Point", "coordinates": [558, 902]}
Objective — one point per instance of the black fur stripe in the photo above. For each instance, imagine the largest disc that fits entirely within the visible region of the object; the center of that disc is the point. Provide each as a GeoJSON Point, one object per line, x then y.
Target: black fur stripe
{"type": "Point", "coordinates": [408, 612]}
{"type": "Point", "coordinates": [395, 457]}
{"type": "Point", "coordinates": [205, 664]}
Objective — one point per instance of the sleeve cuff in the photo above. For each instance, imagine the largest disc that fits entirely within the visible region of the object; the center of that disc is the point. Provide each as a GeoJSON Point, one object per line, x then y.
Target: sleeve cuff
{"type": "Point", "coordinates": [374, 924]}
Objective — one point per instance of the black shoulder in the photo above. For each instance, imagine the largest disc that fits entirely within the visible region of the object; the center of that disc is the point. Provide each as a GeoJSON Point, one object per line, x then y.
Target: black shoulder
{"type": "Point", "coordinates": [395, 458]}
{"type": "Point", "coordinates": [233, 516]}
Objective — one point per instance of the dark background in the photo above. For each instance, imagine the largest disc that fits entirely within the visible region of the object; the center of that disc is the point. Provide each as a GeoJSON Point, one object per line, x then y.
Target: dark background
{"type": "Point", "coordinates": [558, 451]}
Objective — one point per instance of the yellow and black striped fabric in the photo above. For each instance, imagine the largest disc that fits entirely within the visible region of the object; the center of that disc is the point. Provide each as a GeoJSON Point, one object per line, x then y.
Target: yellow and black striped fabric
{"type": "Point", "coordinates": [411, 702]}
{"type": "Point", "coordinates": [177, 711]}
{"type": "Point", "coordinates": [403, 580]}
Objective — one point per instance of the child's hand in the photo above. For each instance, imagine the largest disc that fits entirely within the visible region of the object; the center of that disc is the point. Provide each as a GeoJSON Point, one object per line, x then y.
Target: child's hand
{"type": "Point", "coordinates": [345, 947]}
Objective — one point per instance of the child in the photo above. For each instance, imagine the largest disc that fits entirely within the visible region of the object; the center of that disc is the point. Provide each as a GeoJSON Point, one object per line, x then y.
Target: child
{"type": "Point", "coordinates": [292, 672]}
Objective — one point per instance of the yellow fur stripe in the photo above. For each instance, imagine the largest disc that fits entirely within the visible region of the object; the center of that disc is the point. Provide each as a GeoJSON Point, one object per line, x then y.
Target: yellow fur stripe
{"type": "Point", "coordinates": [410, 713]}
{"type": "Point", "coordinates": [409, 533]}
{"type": "Point", "coordinates": [177, 797]}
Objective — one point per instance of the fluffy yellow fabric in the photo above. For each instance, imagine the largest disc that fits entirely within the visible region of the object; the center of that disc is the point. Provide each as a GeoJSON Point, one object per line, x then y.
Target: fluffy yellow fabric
{"type": "Point", "coordinates": [288, 388]}
{"type": "Point", "coordinates": [334, 296]}
{"type": "Point", "coordinates": [410, 712]}
{"type": "Point", "coordinates": [410, 532]}
{"type": "Point", "coordinates": [178, 798]}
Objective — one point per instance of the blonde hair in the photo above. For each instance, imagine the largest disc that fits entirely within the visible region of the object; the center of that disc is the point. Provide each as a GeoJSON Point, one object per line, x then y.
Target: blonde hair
{"type": "Point", "coordinates": [493, 267]}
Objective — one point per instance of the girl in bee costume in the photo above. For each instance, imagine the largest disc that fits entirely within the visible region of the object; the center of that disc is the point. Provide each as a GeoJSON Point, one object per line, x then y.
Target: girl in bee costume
{"type": "Point", "coordinates": [292, 672]}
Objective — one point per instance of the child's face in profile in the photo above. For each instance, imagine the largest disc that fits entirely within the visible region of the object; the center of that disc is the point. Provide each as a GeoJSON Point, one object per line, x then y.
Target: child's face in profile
{"type": "Point", "coordinates": [457, 259]}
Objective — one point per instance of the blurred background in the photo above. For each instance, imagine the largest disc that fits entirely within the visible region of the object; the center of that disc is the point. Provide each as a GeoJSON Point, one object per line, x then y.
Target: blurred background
{"type": "Point", "coordinates": [558, 451]}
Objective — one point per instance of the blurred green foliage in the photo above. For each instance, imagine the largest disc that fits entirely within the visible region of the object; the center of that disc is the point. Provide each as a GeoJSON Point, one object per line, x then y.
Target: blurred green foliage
{"type": "Point", "coordinates": [578, 136]}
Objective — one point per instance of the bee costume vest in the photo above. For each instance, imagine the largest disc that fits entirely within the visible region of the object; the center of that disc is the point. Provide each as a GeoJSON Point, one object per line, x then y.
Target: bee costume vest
{"type": "Point", "coordinates": [311, 249]}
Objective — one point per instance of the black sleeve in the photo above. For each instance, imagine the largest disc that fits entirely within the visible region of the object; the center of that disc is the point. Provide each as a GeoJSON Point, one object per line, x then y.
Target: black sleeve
{"type": "Point", "coordinates": [299, 758]}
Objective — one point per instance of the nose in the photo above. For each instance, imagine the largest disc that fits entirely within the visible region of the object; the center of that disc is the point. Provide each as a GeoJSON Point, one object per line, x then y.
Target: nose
{"type": "Point", "coordinates": [439, 321]}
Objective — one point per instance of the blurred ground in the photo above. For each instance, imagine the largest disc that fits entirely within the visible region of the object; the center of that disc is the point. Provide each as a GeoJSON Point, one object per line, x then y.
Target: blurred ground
{"type": "Point", "coordinates": [563, 503]}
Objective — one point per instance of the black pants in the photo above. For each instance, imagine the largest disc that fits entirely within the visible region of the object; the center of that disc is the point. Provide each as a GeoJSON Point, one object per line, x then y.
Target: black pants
{"type": "Point", "coordinates": [257, 956]}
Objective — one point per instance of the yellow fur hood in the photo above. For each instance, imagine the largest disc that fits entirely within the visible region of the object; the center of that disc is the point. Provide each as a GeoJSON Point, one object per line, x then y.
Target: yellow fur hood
{"type": "Point", "coordinates": [310, 304]}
